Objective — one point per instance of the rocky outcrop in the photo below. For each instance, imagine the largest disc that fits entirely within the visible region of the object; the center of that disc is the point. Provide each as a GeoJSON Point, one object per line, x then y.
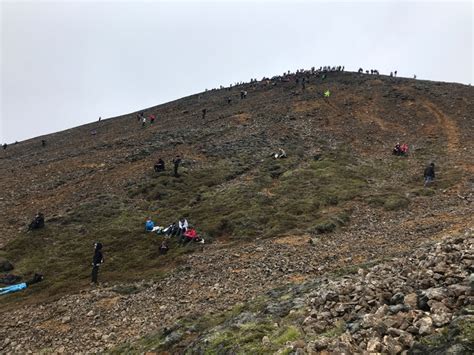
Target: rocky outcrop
{"type": "Point", "coordinates": [389, 307]}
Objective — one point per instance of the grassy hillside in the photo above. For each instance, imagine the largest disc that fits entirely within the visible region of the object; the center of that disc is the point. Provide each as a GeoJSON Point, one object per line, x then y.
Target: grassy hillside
{"type": "Point", "coordinates": [102, 187]}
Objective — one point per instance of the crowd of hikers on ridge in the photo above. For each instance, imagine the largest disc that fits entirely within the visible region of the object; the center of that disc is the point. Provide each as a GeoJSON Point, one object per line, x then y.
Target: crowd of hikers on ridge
{"type": "Point", "coordinates": [181, 230]}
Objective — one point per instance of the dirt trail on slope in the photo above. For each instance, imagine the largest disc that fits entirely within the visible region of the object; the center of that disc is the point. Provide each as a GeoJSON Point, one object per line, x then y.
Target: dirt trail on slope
{"type": "Point", "coordinates": [449, 127]}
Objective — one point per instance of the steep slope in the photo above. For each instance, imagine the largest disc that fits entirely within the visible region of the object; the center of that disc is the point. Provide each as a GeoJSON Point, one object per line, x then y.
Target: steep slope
{"type": "Point", "coordinates": [340, 187]}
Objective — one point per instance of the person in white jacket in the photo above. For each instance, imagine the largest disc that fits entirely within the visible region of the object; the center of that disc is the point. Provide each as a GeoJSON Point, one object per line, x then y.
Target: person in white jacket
{"type": "Point", "coordinates": [183, 226]}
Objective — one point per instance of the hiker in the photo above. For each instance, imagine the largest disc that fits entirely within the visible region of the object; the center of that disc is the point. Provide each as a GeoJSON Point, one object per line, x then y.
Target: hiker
{"type": "Point", "coordinates": [164, 247]}
{"type": "Point", "coordinates": [281, 154]}
{"type": "Point", "coordinates": [395, 72]}
{"type": "Point", "coordinates": [43, 143]}
{"type": "Point", "coordinates": [204, 111]}
{"type": "Point", "coordinates": [100, 118]}
{"type": "Point", "coordinates": [414, 76]}
{"type": "Point", "coordinates": [191, 236]}
{"type": "Point", "coordinates": [229, 100]}
{"type": "Point", "coordinates": [397, 150]}
{"type": "Point", "coordinates": [429, 174]}
{"type": "Point", "coordinates": [242, 95]}
{"type": "Point", "coordinates": [97, 260]}
{"type": "Point", "coordinates": [176, 162]}
{"type": "Point", "coordinates": [143, 121]}
{"type": "Point", "coordinates": [171, 230]}
{"type": "Point", "coordinates": [18, 287]}
{"type": "Point", "coordinates": [152, 118]}
{"type": "Point", "coordinates": [159, 165]}
{"type": "Point", "coordinates": [149, 225]}
{"type": "Point", "coordinates": [5, 145]}
{"type": "Point", "coordinates": [38, 222]}
{"type": "Point", "coordinates": [391, 74]}
{"type": "Point", "coordinates": [9, 279]}
{"type": "Point", "coordinates": [404, 149]}
{"type": "Point", "coordinates": [183, 226]}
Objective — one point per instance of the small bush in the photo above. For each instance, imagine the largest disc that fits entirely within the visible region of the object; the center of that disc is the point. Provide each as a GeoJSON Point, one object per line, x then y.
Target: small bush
{"type": "Point", "coordinates": [395, 202]}
{"type": "Point", "coordinates": [325, 227]}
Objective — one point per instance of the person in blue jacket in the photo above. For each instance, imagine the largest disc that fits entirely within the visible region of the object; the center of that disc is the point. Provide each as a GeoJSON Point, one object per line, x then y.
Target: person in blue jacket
{"type": "Point", "coordinates": [19, 287]}
{"type": "Point", "coordinates": [149, 225]}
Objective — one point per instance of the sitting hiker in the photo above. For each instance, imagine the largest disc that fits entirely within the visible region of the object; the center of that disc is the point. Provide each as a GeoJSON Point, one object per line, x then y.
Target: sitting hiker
{"type": "Point", "coordinates": [159, 165]}
{"type": "Point", "coordinates": [18, 287]}
{"type": "Point", "coordinates": [183, 226]}
{"type": "Point", "coordinates": [429, 174]}
{"type": "Point", "coordinates": [150, 226]}
{"type": "Point", "coordinates": [191, 236]}
{"type": "Point", "coordinates": [404, 149]}
{"type": "Point", "coordinates": [397, 150]}
{"type": "Point", "coordinates": [38, 222]}
{"type": "Point", "coordinates": [281, 154]}
{"type": "Point", "coordinates": [164, 248]}
{"type": "Point", "coordinates": [171, 230]}
{"type": "Point", "coordinates": [9, 279]}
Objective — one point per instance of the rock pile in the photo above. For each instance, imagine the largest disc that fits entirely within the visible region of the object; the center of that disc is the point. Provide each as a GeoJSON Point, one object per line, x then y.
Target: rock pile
{"type": "Point", "coordinates": [388, 307]}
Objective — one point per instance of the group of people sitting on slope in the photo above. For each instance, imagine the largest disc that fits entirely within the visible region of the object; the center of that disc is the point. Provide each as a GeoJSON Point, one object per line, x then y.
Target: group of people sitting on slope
{"type": "Point", "coordinates": [400, 150]}
{"type": "Point", "coordinates": [181, 230]}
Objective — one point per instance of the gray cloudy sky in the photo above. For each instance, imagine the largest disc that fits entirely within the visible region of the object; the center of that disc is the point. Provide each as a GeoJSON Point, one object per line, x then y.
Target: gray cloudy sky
{"type": "Point", "coordinates": [66, 63]}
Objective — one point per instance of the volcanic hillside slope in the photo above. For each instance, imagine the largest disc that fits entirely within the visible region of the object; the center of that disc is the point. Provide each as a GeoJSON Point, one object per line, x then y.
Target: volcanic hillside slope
{"type": "Point", "coordinates": [339, 188]}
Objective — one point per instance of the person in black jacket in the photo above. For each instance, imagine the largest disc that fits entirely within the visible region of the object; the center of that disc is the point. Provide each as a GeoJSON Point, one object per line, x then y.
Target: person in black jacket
{"type": "Point", "coordinates": [96, 261]}
{"type": "Point", "coordinates": [38, 222]}
{"type": "Point", "coordinates": [159, 165]}
{"type": "Point", "coordinates": [429, 174]}
{"type": "Point", "coordinates": [176, 162]}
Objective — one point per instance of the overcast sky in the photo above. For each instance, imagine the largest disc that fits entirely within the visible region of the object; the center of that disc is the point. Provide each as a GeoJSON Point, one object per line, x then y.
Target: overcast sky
{"type": "Point", "coordinates": [66, 63]}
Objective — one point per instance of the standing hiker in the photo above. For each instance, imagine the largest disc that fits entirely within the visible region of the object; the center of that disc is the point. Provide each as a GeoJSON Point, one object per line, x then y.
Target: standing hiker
{"type": "Point", "coordinates": [43, 143]}
{"type": "Point", "coordinates": [176, 162]}
{"type": "Point", "coordinates": [143, 121]}
{"type": "Point", "coordinates": [204, 113]}
{"type": "Point", "coordinates": [96, 261]}
{"type": "Point", "coordinates": [5, 145]}
{"type": "Point", "coordinates": [429, 174]}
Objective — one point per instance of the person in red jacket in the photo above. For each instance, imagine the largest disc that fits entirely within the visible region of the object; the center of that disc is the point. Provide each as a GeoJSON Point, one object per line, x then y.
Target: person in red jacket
{"type": "Point", "coordinates": [191, 236]}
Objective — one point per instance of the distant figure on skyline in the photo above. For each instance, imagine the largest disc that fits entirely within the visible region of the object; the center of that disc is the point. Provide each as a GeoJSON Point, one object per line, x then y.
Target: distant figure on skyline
{"type": "Point", "coordinates": [5, 145]}
{"type": "Point", "coordinates": [100, 118]}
